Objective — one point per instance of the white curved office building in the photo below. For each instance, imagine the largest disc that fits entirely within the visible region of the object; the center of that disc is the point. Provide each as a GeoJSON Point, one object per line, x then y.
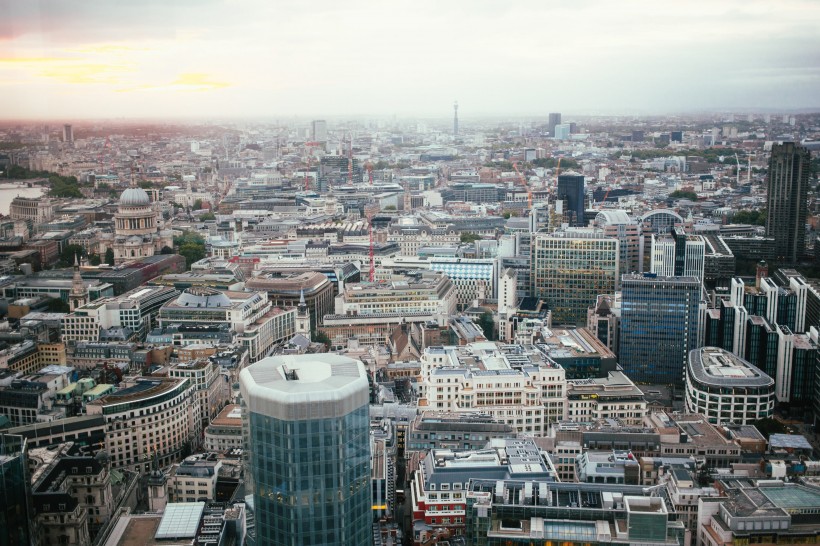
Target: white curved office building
{"type": "Point", "coordinates": [727, 389]}
{"type": "Point", "coordinates": [306, 427]}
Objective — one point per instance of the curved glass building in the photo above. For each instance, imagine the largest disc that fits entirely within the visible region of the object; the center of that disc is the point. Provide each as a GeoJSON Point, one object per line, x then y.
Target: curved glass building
{"type": "Point", "coordinates": [727, 389]}
{"type": "Point", "coordinates": [307, 438]}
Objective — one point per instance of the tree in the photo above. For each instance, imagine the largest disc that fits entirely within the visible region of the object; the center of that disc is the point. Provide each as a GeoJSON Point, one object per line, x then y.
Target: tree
{"type": "Point", "coordinates": [468, 237]}
{"type": "Point", "coordinates": [683, 194]}
{"type": "Point", "coordinates": [769, 426]}
{"type": "Point", "coordinates": [208, 216]}
{"type": "Point", "coordinates": [320, 337]}
{"type": "Point", "coordinates": [390, 207]}
{"type": "Point", "coordinates": [109, 256]}
{"type": "Point", "coordinates": [145, 184]}
{"type": "Point", "coordinates": [191, 245]}
{"type": "Point", "coordinates": [198, 204]}
{"type": "Point", "coordinates": [166, 250]}
{"type": "Point", "coordinates": [754, 217]}
{"type": "Point", "coordinates": [57, 305]}
{"type": "Point", "coordinates": [487, 324]}
{"type": "Point", "coordinates": [94, 259]}
{"type": "Point", "coordinates": [69, 254]}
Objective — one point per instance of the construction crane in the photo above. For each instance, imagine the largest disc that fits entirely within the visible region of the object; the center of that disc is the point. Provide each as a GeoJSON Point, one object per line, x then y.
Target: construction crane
{"type": "Point", "coordinates": [310, 146]}
{"type": "Point", "coordinates": [350, 162]}
{"type": "Point", "coordinates": [524, 183]}
{"type": "Point", "coordinates": [372, 256]}
{"type": "Point", "coordinates": [738, 168]}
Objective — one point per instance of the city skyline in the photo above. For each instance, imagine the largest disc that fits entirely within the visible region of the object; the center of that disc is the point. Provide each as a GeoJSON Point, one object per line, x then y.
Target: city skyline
{"type": "Point", "coordinates": [217, 59]}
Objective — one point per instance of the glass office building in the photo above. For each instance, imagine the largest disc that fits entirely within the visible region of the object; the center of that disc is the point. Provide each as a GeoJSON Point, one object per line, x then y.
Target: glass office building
{"type": "Point", "coordinates": [306, 429]}
{"type": "Point", "coordinates": [659, 326]}
{"type": "Point", "coordinates": [15, 513]}
{"type": "Point", "coordinates": [570, 268]}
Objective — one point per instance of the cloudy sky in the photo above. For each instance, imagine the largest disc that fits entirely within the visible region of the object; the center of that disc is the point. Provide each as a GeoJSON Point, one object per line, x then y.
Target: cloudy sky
{"type": "Point", "coordinates": [238, 58]}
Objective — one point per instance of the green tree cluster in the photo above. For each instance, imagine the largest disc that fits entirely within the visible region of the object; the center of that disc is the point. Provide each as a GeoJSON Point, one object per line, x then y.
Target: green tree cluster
{"type": "Point", "coordinates": [684, 194]}
{"type": "Point", "coordinates": [60, 186]}
{"type": "Point", "coordinates": [769, 426]}
{"type": "Point", "coordinates": [487, 325]}
{"type": "Point", "coordinates": [191, 246]}
{"type": "Point", "coordinates": [552, 163]}
{"type": "Point", "coordinates": [109, 256]}
{"type": "Point", "coordinates": [69, 253]}
{"type": "Point", "coordinates": [755, 217]}
{"type": "Point", "coordinates": [468, 237]}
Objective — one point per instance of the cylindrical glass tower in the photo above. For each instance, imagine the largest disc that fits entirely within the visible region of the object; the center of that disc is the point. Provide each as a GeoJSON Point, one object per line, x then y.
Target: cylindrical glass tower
{"type": "Point", "coordinates": [307, 450]}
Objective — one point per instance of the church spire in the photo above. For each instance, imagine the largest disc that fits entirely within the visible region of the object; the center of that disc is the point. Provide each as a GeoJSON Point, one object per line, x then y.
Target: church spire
{"type": "Point", "coordinates": [79, 294]}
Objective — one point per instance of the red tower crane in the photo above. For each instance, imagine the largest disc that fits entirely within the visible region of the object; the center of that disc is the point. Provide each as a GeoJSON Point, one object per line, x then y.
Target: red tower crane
{"type": "Point", "coordinates": [372, 254]}
{"type": "Point", "coordinates": [309, 146]}
{"type": "Point", "coordinates": [524, 183]}
{"type": "Point", "coordinates": [350, 162]}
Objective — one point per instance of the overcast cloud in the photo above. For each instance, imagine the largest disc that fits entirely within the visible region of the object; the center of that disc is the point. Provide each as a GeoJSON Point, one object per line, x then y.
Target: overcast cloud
{"type": "Point", "coordinates": [152, 58]}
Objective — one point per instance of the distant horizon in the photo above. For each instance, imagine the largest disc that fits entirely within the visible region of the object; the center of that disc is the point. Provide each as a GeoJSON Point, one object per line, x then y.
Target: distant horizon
{"type": "Point", "coordinates": [499, 117]}
{"type": "Point", "coordinates": [206, 59]}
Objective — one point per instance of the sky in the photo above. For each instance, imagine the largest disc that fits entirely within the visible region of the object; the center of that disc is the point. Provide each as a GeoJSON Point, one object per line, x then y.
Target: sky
{"type": "Point", "coordinates": [101, 59]}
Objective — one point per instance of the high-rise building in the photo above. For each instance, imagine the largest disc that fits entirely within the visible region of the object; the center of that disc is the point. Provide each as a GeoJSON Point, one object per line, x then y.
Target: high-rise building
{"type": "Point", "coordinates": [554, 119]}
{"type": "Point", "coordinates": [570, 268]}
{"type": "Point", "coordinates": [787, 201]}
{"type": "Point", "coordinates": [571, 191]}
{"type": "Point", "coordinates": [562, 131]}
{"type": "Point", "coordinates": [618, 224]}
{"type": "Point", "coordinates": [455, 119]}
{"type": "Point", "coordinates": [307, 433]}
{"type": "Point", "coordinates": [68, 134]}
{"type": "Point", "coordinates": [318, 130]}
{"type": "Point", "coordinates": [15, 509]}
{"type": "Point", "coordinates": [659, 326]}
{"type": "Point", "coordinates": [678, 255]}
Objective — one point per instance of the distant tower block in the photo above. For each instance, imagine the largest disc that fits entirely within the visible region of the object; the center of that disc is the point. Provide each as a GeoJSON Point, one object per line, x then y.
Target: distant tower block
{"type": "Point", "coordinates": [455, 118]}
{"type": "Point", "coordinates": [68, 134]}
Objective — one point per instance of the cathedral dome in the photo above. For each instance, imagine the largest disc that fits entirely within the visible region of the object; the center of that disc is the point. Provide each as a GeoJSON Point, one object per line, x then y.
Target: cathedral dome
{"type": "Point", "coordinates": [134, 197]}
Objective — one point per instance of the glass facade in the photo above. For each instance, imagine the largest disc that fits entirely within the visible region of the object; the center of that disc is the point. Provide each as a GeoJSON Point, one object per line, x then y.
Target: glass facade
{"type": "Point", "coordinates": [311, 479]}
{"type": "Point", "coordinates": [14, 508]}
{"type": "Point", "coordinates": [569, 272]}
{"type": "Point", "coordinates": [659, 325]}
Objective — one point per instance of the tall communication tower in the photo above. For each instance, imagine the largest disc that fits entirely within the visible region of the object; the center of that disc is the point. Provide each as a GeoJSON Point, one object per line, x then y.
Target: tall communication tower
{"type": "Point", "coordinates": [455, 119]}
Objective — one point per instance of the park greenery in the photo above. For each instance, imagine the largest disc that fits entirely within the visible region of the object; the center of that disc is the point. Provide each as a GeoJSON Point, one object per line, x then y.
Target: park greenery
{"type": "Point", "coordinates": [69, 254]}
{"type": "Point", "coordinates": [552, 163]}
{"type": "Point", "coordinates": [191, 246]}
{"type": "Point", "coordinates": [59, 186]}
{"type": "Point", "coordinates": [487, 325]}
{"type": "Point", "coordinates": [710, 155]}
{"type": "Point", "coordinates": [755, 217]}
{"type": "Point", "coordinates": [468, 237]}
{"type": "Point", "coordinates": [684, 194]}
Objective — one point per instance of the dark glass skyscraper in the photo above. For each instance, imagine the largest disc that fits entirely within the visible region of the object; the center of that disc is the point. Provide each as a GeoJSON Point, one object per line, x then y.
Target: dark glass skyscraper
{"type": "Point", "coordinates": [554, 119]}
{"type": "Point", "coordinates": [571, 191]}
{"type": "Point", "coordinates": [15, 512]}
{"type": "Point", "coordinates": [787, 201]}
{"type": "Point", "coordinates": [659, 326]}
{"type": "Point", "coordinates": [307, 434]}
